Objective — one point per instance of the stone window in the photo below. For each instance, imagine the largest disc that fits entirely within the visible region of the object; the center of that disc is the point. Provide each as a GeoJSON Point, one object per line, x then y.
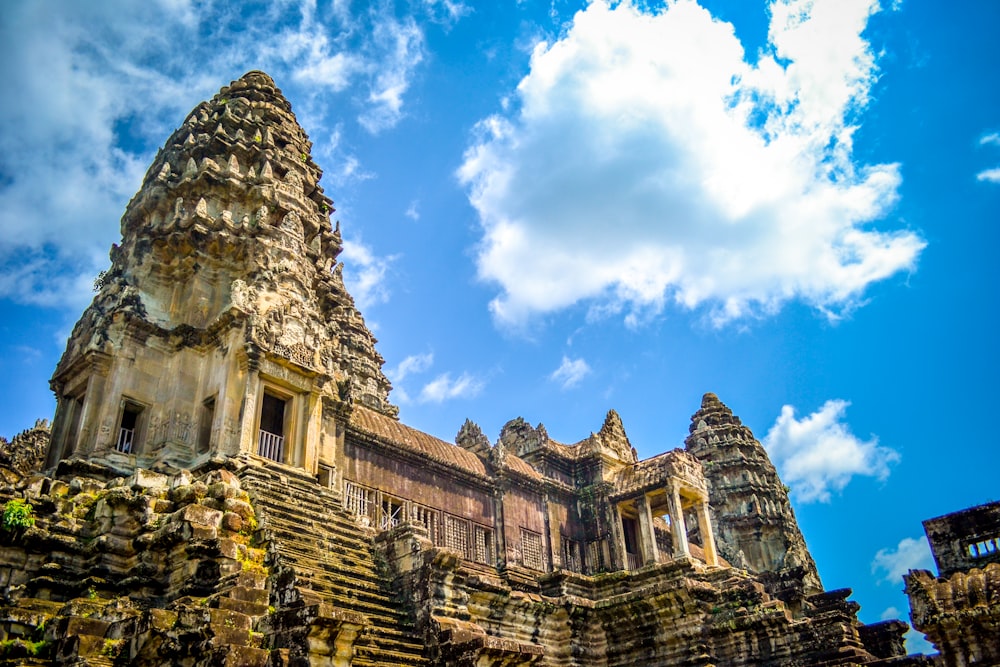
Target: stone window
{"type": "Point", "coordinates": [429, 519]}
{"type": "Point", "coordinates": [357, 500]}
{"type": "Point", "coordinates": [531, 550]}
{"type": "Point", "coordinates": [392, 513]}
{"type": "Point", "coordinates": [205, 422]}
{"type": "Point", "coordinates": [326, 476]}
{"type": "Point", "coordinates": [572, 555]}
{"type": "Point", "coordinates": [483, 543]}
{"type": "Point", "coordinates": [983, 548]}
{"type": "Point", "coordinates": [595, 557]}
{"type": "Point", "coordinates": [456, 534]}
{"type": "Point", "coordinates": [272, 430]}
{"type": "Point", "coordinates": [129, 427]}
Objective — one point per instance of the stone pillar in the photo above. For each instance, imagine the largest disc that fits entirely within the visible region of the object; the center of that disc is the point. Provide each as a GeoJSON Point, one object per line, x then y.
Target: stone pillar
{"type": "Point", "coordinates": [618, 560]}
{"type": "Point", "coordinates": [707, 537]}
{"type": "Point", "coordinates": [554, 534]}
{"type": "Point", "coordinates": [678, 529]}
{"type": "Point", "coordinates": [312, 431]}
{"type": "Point", "coordinates": [499, 528]}
{"type": "Point", "coordinates": [248, 412]}
{"type": "Point", "coordinates": [647, 537]}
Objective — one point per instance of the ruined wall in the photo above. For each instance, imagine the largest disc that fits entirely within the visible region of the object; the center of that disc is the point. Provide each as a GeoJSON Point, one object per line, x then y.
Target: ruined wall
{"type": "Point", "coordinates": [965, 539]}
{"type": "Point", "coordinates": [663, 615]}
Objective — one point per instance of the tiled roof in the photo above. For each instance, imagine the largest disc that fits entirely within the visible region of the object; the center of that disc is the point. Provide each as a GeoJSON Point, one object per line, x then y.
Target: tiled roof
{"type": "Point", "coordinates": [394, 432]}
{"type": "Point", "coordinates": [399, 434]}
{"type": "Point", "coordinates": [519, 465]}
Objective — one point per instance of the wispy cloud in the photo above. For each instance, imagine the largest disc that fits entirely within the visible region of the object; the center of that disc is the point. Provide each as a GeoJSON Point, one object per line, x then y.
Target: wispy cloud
{"type": "Point", "coordinates": [730, 186]}
{"type": "Point", "coordinates": [413, 210]}
{"type": "Point", "coordinates": [365, 274]}
{"type": "Point", "coordinates": [415, 363]}
{"type": "Point", "coordinates": [100, 85]}
{"type": "Point", "coordinates": [990, 175]}
{"type": "Point", "coordinates": [570, 372]}
{"type": "Point", "coordinates": [910, 554]}
{"type": "Point", "coordinates": [443, 388]}
{"type": "Point", "coordinates": [818, 455]}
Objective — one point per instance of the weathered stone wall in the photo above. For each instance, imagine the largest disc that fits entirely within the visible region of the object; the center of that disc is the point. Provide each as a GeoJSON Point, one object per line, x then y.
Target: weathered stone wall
{"type": "Point", "coordinates": [146, 570]}
{"type": "Point", "coordinates": [965, 539]}
{"type": "Point", "coordinates": [959, 614]}
{"type": "Point", "coordinates": [667, 614]}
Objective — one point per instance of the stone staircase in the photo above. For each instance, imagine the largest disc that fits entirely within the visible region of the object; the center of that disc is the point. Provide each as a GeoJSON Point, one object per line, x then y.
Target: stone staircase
{"type": "Point", "coordinates": [332, 561]}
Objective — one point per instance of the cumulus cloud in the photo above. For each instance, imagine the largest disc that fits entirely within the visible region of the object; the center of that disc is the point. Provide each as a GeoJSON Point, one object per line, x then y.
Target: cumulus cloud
{"type": "Point", "coordinates": [365, 274]}
{"type": "Point", "coordinates": [443, 388]}
{"type": "Point", "coordinates": [910, 554]}
{"type": "Point", "coordinates": [570, 372]}
{"type": "Point", "coordinates": [648, 162]}
{"type": "Point", "coordinates": [100, 85]}
{"type": "Point", "coordinates": [818, 454]}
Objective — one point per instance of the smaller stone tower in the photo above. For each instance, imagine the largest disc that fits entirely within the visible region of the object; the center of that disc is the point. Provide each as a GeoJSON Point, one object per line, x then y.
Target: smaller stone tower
{"type": "Point", "coordinates": [754, 521]}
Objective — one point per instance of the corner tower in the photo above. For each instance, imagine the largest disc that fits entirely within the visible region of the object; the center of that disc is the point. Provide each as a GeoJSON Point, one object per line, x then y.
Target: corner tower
{"type": "Point", "coordinates": [223, 326]}
{"type": "Point", "coordinates": [754, 520]}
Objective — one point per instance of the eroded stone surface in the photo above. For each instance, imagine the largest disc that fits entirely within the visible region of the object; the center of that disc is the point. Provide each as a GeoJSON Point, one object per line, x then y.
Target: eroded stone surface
{"type": "Point", "coordinates": [754, 520]}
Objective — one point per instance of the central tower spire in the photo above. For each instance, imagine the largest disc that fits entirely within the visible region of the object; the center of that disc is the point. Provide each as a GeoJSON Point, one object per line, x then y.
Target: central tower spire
{"type": "Point", "coordinates": [224, 315]}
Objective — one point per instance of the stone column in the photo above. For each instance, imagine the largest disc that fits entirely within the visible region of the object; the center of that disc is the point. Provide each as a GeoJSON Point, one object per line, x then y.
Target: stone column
{"type": "Point", "coordinates": [707, 537]}
{"type": "Point", "coordinates": [647, 536]}
{"type": "Point", "coordinates": [312, 431]}
{"type": "Point", "coordinates": [499, 528]}
{"type": "Point", "coordinates": [248, 412]}
{"type": "Point", "coordinates": [678, 529]}
{"type": "Point", "coordinates": [554, 534]}
{"type": "Point", "coordinates": [618, 560]}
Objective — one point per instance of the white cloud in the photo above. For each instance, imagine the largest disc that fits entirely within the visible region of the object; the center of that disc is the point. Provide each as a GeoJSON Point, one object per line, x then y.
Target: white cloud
{"type": "Point", "coordinates": [443, 388]}
{"type": "Point", "coordinates": [818, 454]}
{"type": "Point", "coordinates": [415, 363]}
{"type": "Point", "coordinates": [570, 372]}
{"type": "Point", "coordinates": [101, 85]}
{"type": "Point", "coordinates": [365, 274]}
{"type": "Point", "coordinates": [910, 554]}
{"type": "Point", "coordinates": [413, 210]}
{"type": "Point", "coordinates": [990, 175]}
{"type": "Point", "coordinates": [991, 138]}
{"type": "Point", "coordinates": [647, 162]}
{"type": "Point", "coordinates": [446, 12]}
{"type": "Point", "coordinates": [401, 47]}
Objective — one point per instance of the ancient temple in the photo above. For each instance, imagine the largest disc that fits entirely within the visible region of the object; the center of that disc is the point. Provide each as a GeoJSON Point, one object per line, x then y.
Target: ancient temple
{"type": "Point", "coordinates": [227, 482]}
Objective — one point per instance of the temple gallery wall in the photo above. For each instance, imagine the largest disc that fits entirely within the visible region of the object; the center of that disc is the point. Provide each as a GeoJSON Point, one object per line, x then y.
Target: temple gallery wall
{"type": "Point", "coordinates": [226, 481]}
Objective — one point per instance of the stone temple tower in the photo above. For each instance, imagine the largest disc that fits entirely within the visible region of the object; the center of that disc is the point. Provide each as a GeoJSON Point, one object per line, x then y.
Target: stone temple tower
{"type": "Point", "coordinates": [755, 523]}
{"type": "Point", "coordinates": [223, 325]}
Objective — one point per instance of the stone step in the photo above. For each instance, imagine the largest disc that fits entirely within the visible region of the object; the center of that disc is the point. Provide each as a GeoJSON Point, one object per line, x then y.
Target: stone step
{"type": "Point", "coordinates": [332, 558]}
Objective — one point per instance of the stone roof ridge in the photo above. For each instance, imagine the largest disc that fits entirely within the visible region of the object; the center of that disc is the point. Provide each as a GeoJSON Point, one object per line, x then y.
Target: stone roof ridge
{"type": "Point", "coordinates": [471, 437]}
{"type": "Point", "coordinates": [521, 437]}
{"type": "Point", "coordinates": [612, 436]}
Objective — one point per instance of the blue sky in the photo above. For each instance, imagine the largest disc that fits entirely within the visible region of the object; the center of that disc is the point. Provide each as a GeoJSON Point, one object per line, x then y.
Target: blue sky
{"type": "Point", "coordinates": [554, 209]}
